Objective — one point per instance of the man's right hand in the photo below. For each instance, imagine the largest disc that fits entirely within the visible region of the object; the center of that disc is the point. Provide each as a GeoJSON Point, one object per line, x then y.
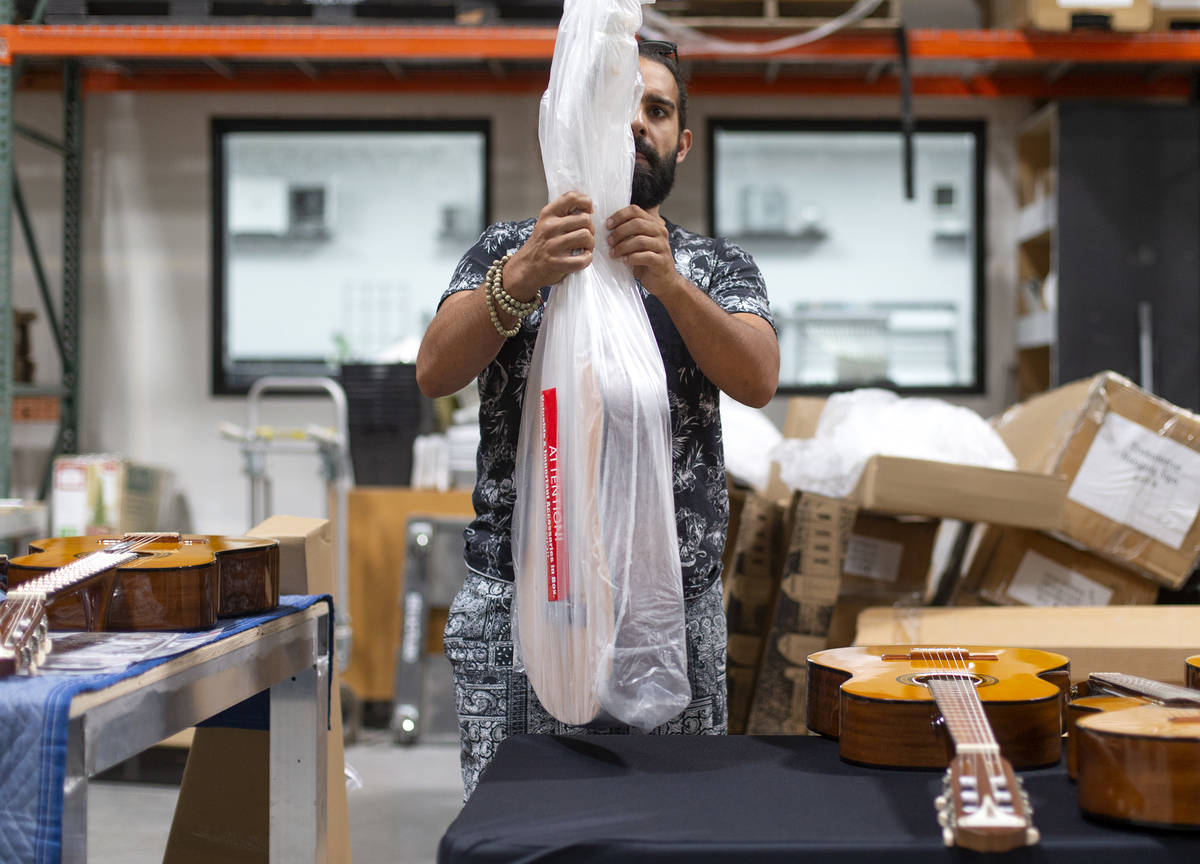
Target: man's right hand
{"type": "Point", "coordinates": [562, 242]}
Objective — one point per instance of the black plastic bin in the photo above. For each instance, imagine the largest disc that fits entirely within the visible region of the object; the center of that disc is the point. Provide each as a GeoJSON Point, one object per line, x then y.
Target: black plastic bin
{"type": "Point", "coordinates": [385, 412]}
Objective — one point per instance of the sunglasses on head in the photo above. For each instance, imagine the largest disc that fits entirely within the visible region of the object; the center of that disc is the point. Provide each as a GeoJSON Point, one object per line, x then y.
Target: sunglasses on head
{"type": "Point", "coordinates": [667, 49]}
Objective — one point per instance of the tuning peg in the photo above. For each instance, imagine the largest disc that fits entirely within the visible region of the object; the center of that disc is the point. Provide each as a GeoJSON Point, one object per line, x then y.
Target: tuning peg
{"type": "Point", "coordinates": [940, 802]}
{"type": "Point", "coordinates": [947, 836]}
{"type": "Point", "coordinates": [1032, 836]}
{"type": "Point", "coordinates": [943, 818]}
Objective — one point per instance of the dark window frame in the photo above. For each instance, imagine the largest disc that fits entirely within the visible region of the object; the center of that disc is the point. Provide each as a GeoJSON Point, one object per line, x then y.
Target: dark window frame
{"type": "Point", "coordinates": [232, 379]}
{"type": "Point", "coordinates": [975, 127]}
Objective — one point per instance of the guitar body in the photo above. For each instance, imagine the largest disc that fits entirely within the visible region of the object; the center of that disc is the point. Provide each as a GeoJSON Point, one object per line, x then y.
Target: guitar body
{"type": "Point", "coordinates": [1086, 706]}
{"type": "Point", "coordinates": [1141, 765]}
{"type": "Point", "coordinates": [176, 583]}
{"type": "Point", "coordinates": [882, 715]}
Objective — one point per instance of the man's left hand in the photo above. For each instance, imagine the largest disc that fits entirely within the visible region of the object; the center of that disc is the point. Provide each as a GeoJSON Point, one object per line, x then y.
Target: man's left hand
{"type": "Point", "coordinates": [641, 241]}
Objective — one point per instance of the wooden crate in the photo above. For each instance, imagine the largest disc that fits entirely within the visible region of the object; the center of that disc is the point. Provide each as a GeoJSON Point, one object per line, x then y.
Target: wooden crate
{"type": "Point", "coordinates": [795, 14]}
{"type": "Point", "coordinates": [1176, 15]}
{"type": "Point", "coordinates": [378, 527]}
{"type": "Point", "coordinates": [1054, 15]}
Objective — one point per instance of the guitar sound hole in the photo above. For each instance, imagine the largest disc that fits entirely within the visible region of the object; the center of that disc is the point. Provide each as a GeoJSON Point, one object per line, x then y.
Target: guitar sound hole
{"type": "Point", "coordinates": [921, 679]}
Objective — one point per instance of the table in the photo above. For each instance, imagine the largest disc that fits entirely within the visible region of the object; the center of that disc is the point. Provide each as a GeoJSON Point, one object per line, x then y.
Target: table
{"type": "Point", "coordinates": [60, 729]}
{"type": "Point", "coordinates": [739, 798]}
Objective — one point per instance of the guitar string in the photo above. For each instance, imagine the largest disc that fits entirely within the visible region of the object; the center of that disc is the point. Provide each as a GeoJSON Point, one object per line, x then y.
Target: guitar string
{"type": "Point", "coordinates": [975, 706]}
{"type": "Point", "coordinates": [77, 571]}
{"type": "Point", "coordinates": [970, 708]}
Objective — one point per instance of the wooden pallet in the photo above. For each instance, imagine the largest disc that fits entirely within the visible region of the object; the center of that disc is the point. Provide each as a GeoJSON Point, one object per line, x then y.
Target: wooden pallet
{"type": "Point", "coordinates": [773, 14]}
{"type": "Point", "coordinates": [1052, 16]}
{"type": "Point", "coordinates": [1176, 18]}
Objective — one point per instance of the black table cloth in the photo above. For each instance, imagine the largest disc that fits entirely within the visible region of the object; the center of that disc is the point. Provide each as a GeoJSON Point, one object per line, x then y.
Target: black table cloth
{"type": "Point", "coordinates": [747, 799]}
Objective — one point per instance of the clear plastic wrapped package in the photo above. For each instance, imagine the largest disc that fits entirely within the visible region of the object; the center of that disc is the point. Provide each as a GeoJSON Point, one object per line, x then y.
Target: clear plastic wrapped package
{"type": "Point", "coordinates": [598, 620]}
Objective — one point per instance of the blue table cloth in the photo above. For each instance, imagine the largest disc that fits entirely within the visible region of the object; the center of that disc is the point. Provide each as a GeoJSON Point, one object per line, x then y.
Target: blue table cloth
{"type": "Point", "coordinates": [34, 713]}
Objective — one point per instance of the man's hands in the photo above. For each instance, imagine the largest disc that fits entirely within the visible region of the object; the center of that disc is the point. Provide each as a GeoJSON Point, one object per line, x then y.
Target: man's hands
{"type": "Point", "coordinates": [641, 240]}
{"type": "Point", "coordinates": [562, 242]}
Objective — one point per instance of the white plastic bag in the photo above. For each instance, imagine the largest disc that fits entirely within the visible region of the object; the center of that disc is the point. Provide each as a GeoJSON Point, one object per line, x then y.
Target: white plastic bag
{"type": "Point", "coordinates": [598, 620]}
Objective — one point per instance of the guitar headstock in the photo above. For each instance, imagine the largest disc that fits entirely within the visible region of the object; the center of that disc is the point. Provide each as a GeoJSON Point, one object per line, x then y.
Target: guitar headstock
{"type": "Point", "coordinates": [983, 805]}
{"type": "Point", "coordinates": [24, 635]}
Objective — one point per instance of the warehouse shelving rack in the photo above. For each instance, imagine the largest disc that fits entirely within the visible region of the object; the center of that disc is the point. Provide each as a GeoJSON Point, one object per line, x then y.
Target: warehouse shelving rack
{"type": "Point", "coordinates": [994, 64]}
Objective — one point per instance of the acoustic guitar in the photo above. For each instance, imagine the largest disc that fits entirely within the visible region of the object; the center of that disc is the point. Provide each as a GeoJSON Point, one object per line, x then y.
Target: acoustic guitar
{"type": "Point", "coordinates": [24, 624]}
{"type": "Point", "coordinates": [977, 711]}
{"type": "Point", "coordinates": [1133, 745]}
{"type": "Point", "coordinates": [163, 582]}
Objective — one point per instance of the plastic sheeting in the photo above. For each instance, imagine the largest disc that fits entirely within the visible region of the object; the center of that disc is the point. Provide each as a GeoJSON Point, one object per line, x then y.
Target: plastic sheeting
{"type": "Point", "coordinates": [857, 425]}
{"type": "Point", "coordinates": [599, 596]}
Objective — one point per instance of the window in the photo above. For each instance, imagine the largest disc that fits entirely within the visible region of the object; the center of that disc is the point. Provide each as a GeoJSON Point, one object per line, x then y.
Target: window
{"type": "Point", "coordinates": [334, 239]}
{"type": "Point", "coordinates": [866, 287]}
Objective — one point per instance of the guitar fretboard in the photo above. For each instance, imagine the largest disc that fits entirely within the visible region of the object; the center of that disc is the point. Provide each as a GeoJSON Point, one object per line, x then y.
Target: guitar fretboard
{"type": "Point", "coordinates": [959, 704]}
{"type": "Point", "coordinates": [72, 574]}
{"type": "Point", "coordinates": [1168, 694]}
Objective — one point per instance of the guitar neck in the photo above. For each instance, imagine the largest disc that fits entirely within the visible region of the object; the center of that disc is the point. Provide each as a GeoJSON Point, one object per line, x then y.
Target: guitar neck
{"type": "Point", "coordinates": [962, 711]}
{"type": "Point", "coordinates": [73, 574]}
{"type": "Point", "coordinates": [1135, 685]}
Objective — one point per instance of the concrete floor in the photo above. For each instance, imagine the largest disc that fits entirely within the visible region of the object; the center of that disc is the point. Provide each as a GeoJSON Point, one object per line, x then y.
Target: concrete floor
{"type": "Point", "coordinates": [408, 796]}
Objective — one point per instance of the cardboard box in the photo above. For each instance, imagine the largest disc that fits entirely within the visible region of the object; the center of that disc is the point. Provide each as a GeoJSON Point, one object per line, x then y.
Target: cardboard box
{"type": "Point", "coordinates": [749, 590]}
{"type": "Point", "coordinates": [1061, 15]}
{"type": "Point", "coordinates": [1025, 568]}
{"type": "Point", "coordinates": [804, 607]}
{"type": "Point", "coordinates": [106, 494]}
{"type": "Point", "coordinates": [1132, 465]}
{"type": "Point", "coordinates": [886, 555]}
{"type": "Point", "coordinates": [1152, 641]}
{"type": "Point", "coordinates": [223, 810]}
{"type": "Point", "coordinates": [892, 484]}
{"type": "Point", "coordinates": [306, 548]}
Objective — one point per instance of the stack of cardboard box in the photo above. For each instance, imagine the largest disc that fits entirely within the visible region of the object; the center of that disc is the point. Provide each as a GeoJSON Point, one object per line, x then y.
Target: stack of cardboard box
{"type": "Point", "coordinates": [804, 566]}
{"type": "Point", "coordinates": [1102, 511]}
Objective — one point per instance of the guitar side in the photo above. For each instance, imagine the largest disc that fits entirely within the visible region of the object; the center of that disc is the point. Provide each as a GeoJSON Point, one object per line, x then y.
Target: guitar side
{"type": "Point", "coordinates": [882, 716]}
{"type": "Point", "coordinates": [183, 583]}
{"type": "Point", "coordinates": [1141, 765]}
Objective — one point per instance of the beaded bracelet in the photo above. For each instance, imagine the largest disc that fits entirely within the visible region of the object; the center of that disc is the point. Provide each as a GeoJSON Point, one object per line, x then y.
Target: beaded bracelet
{"type": "Point", "coordinates": [497, 296]}
{"type": "Point", "coordinates": [491, 304]}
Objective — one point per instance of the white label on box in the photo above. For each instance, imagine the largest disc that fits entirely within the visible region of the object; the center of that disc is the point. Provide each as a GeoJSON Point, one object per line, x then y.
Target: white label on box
{"type": "Point", "coordinates": [1141, 479]}
{"type": "Point", "coordinates": [873, 559]}
{"type": "Point", "coordinates": [1095, 4]}
{"type": "Point", "coordinates": [1042, 582]}
{"type": "Point", "coordinates": [1178, 4]}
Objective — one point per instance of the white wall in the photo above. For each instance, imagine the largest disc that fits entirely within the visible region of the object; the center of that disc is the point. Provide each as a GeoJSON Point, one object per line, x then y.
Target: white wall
{"type": "Point", "coordinates": [146, 270]}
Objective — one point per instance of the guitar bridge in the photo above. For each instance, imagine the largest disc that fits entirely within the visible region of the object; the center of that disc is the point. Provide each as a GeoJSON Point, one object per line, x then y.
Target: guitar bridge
{"type": "Point", "coordinates": [940, 655]}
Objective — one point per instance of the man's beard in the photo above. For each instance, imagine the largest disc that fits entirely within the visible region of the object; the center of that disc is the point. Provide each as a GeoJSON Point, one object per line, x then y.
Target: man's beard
{"type": "Point", "coordinates": [651, 182]}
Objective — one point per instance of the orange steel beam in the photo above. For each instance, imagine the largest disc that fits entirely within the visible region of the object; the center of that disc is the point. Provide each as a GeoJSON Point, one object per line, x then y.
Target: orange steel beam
{"type": "Point", "coordinates": [537, 43]}
{"type": "Point", "coordinates": [1099, 86]}
{"type": "Point", "coordinates": [278, 42]}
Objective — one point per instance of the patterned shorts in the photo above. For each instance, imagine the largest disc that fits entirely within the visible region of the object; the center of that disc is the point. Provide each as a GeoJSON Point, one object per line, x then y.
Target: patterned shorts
{"type": "Point", "coordinates": [494, 701]}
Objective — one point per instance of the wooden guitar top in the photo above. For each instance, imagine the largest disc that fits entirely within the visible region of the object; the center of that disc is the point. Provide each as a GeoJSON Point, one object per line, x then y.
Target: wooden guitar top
{"type": "Point", "coordinates": [1011, 677]}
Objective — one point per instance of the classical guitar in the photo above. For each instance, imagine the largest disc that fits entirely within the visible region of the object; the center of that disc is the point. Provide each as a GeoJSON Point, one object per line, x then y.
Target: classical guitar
{"type": "Point", "coordinates": [24, 623]}
{"type": "Point", "coordinates": [1134, 748]}
{"type": "Point", "coordinates": [978, 711]}
{"type": "Point", "coordinates": [170, 582]}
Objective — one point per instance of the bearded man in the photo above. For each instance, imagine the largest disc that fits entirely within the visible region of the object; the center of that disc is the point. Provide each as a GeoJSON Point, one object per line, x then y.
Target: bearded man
{"type": "Point", "coordinates": [708, 308]}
